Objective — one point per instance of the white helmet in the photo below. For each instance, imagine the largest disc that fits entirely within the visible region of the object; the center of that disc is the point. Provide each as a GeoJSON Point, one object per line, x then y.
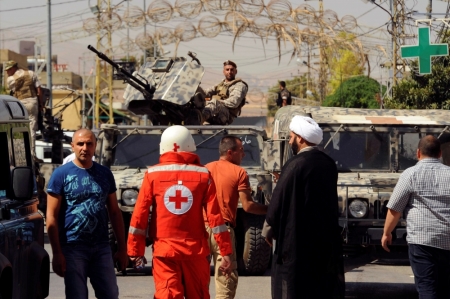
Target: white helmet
{"type": "Point", "coordinates": [176, 139]}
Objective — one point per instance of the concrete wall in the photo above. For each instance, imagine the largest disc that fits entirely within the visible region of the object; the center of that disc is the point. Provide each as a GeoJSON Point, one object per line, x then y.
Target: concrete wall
{"type": "Point", "coordinates": [71, 117]}
{"type": "Point", "coordinates": [62, 79]}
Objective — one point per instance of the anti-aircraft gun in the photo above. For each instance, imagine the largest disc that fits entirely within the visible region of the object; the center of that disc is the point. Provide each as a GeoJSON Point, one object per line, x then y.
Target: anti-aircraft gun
{"type": "Point", "coordinates": [166, 89]}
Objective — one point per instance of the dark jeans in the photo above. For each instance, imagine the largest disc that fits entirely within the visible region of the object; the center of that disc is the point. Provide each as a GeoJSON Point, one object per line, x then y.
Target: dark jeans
{"type": "Point", "coordinates": [93, 261]}
{"type": "Point", "coordinates": [431, 268]}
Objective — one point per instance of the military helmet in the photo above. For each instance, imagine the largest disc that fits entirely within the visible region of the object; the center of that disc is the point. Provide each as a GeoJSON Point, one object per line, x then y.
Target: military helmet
{"type": "Point", "coordinates": [10, 64]}
{"type": "Point", "coordinates": [176, 139]}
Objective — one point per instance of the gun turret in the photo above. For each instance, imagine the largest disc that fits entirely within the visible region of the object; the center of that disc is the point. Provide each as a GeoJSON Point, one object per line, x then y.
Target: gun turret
{"type": "Point", "coordinates": [174, 95]}
{"type": "Point", "coordinates": [145, 88]}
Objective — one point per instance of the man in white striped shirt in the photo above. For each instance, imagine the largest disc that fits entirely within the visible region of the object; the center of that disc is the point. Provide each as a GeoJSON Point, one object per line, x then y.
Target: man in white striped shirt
{"type": "Point", "coordinates": [422, 193]}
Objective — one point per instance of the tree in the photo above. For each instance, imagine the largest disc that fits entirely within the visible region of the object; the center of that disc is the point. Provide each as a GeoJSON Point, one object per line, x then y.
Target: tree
{"type": "Point", "coordinates": [355, 92]}
{"type": "Point", "coordinates": [423, 91]}
{"type": "Point", "coordinates": [131, 58]}
{"type": "Point", "coordinates": [343, 63]}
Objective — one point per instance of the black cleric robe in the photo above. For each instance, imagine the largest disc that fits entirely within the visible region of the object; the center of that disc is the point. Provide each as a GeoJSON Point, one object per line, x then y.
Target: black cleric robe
{"type": "Point", "coordinates": [303, 214]}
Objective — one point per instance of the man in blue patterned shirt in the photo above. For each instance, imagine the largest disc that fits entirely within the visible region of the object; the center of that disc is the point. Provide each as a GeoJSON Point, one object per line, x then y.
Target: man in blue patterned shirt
{"type": "Point", "coordinates": [423, 194]}
{"type": "Point", "coordinates": [81, 196]}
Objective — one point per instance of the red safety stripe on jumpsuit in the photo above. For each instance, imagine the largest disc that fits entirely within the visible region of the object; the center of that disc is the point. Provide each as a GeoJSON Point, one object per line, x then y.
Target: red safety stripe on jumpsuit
{"type": "Point", "coordinates": [179, 188]}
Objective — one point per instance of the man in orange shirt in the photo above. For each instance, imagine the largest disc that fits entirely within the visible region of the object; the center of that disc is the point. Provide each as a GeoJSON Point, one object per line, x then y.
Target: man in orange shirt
{"type": "Point", "coordinates": [178, 189]}
{"type": "Point", "coordinates": [232, 184]}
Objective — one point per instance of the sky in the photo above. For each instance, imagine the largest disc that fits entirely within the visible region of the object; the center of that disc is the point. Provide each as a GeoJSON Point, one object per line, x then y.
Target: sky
{"type": "Point", "coordinates": [258, 60]}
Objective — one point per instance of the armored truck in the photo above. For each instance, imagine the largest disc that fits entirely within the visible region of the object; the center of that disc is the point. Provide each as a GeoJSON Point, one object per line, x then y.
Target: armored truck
{"type": "Point", "coordinates": [371, 148]}
{"type": "Point", "coordinates": [128, 151]}
{"type": "Point", "coordinates": [24, 263]}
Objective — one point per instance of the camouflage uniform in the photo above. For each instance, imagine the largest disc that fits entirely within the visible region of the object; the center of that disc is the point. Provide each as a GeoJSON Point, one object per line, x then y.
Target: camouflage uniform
{"type": "Point", "coordinates": [226, 102]}
{"type": "Point", "coordinates": [24, 84]}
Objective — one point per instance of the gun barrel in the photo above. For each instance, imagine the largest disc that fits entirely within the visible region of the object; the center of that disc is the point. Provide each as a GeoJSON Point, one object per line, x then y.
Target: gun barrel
{"type": "Point", "coordinates": [93, 49]}
{"type": "Point", "coordinates": [144, 88]}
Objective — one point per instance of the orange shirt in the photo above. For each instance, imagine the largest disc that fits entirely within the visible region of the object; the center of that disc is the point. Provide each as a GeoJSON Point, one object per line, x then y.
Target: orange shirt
{"type": "Point", "coordinates": [229, 179]}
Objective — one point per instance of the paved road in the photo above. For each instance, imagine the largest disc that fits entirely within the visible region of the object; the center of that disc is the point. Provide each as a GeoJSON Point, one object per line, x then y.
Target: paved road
{"type": "Point", "coordinates": [364, 279]}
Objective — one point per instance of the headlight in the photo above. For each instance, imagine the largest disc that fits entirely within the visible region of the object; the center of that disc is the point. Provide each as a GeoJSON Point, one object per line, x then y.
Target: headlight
{"type": "Point", "coordinates": [358, 208]}
{"type": "Point", "coordinates": [129, 197]}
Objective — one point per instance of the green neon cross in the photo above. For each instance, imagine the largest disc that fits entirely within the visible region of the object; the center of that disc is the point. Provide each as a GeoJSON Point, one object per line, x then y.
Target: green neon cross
{"type": "Point", "coordinates": [424, 51]}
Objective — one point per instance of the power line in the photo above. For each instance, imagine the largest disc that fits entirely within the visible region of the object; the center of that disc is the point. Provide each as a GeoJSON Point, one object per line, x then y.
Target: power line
{"type": "Point", "coordinates": [38, 6]}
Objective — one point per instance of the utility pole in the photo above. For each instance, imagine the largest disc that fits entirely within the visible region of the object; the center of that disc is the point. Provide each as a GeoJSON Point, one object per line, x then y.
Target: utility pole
{"type": "Point", "coordinates": [49, 53]}
{"type": "Point", "coordinates": [398, 38]}
{"type": "Point", "coordinates": [323, 66]}
{"type": "Point", "coordinates": [128, 33]}
{"type": "Point", "coordinates": [145, 34]}
{"type": "Point", "coordinates": [103, 71]}
{"type": "Point", "coordinates": [145, 117]}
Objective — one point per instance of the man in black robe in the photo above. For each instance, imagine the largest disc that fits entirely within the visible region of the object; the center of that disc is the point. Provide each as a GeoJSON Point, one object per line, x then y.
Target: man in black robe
{"type": "Point", "coordinates": [303, 215]}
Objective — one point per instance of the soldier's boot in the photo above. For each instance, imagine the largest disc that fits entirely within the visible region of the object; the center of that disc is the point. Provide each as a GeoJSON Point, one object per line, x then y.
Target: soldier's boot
{"type": "Point", "coordinates": [194, 118]}
{"type": "Point", "coordinates": [206, 116]}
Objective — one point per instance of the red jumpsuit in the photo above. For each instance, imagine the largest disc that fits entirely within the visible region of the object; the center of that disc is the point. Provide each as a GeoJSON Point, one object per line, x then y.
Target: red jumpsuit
{"type": "Point", "coordinates": [178, 189]}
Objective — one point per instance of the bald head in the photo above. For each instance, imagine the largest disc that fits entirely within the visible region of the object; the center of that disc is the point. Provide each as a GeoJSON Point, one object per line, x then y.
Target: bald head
{"type": "Point", "coordinates": [429, 147]}
{"type": "Point", "coordinates": [83, 145]}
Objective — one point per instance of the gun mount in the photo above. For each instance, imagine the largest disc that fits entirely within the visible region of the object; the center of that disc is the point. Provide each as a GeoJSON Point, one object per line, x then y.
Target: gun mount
{"type": "Point", "coordinates": [166, 89]}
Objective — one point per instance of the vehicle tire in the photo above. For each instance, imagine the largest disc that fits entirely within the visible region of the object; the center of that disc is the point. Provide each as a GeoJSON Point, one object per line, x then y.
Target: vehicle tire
{"type": "Point", "coordinates": [256, 252]}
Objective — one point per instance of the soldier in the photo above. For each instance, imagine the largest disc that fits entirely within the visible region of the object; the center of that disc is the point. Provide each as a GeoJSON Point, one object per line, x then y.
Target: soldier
{"type": "Point", "coordinates": [225, 100]}
{"type": "Point", "coordinates": [284, 96]}
{"type": "Point", "coordinates": [25, 86]}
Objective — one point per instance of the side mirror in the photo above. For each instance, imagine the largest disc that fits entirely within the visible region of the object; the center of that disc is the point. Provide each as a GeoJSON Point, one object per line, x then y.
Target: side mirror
{"type": "Point", "coordinates": [22, 183]}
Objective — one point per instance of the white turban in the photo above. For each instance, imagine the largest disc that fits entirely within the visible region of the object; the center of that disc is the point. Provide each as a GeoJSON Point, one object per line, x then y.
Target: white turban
{"type": "Point", "coordinates": [306, 128]}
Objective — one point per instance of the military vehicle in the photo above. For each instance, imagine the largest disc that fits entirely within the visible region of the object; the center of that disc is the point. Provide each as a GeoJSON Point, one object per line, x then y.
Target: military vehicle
{"type": "Point", "coordinates": [128, 151]}
{"type": "Point", "coordinates": [371, 148]}
{"type": "Point", "coordinates": [24, 263]}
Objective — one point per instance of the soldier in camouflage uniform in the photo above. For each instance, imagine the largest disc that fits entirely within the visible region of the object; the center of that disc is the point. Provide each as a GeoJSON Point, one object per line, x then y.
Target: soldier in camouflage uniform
{"type": "Point", "coordinates": [225, 100]}
{"type": "Point", "coordinates": [25, 86]}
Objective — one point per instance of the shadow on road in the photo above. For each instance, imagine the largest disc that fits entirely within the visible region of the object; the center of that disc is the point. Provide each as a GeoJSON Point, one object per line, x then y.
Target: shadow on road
{"type": "Point", "coordinates": [373, 290]}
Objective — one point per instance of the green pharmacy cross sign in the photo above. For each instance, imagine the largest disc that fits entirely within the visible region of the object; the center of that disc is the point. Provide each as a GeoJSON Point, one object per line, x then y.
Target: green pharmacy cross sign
{"type": "Point", "coordinates": [424, 51]}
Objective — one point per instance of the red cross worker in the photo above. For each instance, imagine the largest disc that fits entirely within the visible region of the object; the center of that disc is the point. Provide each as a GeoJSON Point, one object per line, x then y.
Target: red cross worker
{"type": "Point", "coordinates": [178, 189]}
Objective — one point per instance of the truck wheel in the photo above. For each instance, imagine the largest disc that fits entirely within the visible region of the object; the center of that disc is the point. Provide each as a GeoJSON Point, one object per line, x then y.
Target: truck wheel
{"type": "Point", "coordinates": [256, 254]}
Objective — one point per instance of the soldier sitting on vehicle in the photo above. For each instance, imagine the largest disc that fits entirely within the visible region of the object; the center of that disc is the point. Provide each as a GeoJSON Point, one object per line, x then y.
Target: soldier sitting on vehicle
{"type": "Point", "coordinates": [225, 100]}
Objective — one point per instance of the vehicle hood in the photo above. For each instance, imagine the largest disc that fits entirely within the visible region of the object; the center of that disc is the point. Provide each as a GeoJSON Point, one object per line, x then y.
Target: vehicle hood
{"type": "Point", "coordinates": [129, 178]}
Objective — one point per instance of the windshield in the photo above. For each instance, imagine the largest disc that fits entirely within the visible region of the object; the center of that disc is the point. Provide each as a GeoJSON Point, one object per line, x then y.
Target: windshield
{"type": "Point", "coordinates": [141, 151]}
{"type": "Point", "coordinates": [358, 150]}
{"type": "Point", "coordinates": [408, 143]}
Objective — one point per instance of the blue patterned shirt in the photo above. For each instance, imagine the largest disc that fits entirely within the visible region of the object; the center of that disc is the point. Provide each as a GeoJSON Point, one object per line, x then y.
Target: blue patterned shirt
{"type": "Point", "coordinates": [83, 217]}
{"type": "Point", "coordinates": [423, 193]}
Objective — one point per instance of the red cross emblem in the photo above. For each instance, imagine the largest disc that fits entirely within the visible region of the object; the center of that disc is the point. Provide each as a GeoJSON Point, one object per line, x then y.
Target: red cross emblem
{"type": "Point", "coordinates": [178, 199]}
{"type": "Point", "coordinates": [175, 147]}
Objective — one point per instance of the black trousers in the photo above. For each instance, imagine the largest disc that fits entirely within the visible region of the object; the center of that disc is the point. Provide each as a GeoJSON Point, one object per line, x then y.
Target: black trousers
{"type": "Point", "coordinates": [315, 277]}
{"type": "Point", "coordinates": [431, 268]}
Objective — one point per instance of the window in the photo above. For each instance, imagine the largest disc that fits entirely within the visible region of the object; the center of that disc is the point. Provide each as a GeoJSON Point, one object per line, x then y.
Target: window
{"type": "Point", "coordinates": [408, 142]}
{"type": "Point", "coordinates": [140, 150]}
{"type": "Point", "coordinates": [358, 150]}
